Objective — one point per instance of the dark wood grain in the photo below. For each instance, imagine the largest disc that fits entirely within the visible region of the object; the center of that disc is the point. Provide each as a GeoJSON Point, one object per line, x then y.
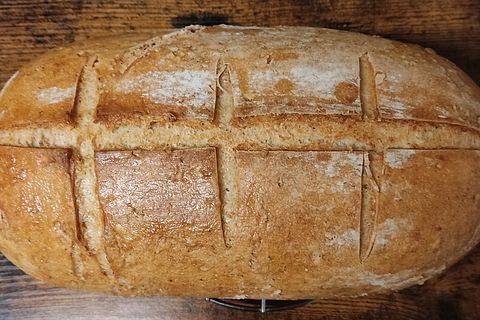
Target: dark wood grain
{"type": "Point", "coordinates": [452, 28]}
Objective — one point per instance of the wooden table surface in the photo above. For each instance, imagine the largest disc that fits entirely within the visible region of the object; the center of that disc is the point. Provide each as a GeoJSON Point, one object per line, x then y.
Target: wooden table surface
{"type": "Point", "coordinates": [451, 28]}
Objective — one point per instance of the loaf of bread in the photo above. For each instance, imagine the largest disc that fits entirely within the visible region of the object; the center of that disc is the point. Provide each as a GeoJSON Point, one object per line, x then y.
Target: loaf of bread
{"type": "Point", "coordinates": [279, 163]}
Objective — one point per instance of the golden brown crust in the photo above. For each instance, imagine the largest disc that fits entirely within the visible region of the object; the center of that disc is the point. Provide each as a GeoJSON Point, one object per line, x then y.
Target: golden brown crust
{"type": "Point", "coordinates": [239, 162]}
{"type": "Point", "coordinates": [163, 218]}
{"type": "Point", "coordinates": [37, 225]}
{"type": "Point", "coordinates": [43, 91]}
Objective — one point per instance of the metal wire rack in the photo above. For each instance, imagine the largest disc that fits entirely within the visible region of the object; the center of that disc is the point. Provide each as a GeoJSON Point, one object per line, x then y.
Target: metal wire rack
{"type": "Point", "coordinates": [262, 305]}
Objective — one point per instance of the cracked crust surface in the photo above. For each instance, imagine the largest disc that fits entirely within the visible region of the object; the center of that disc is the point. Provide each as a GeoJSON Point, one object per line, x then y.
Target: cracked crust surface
{"type": "Point", "coordinates": [282, 163]}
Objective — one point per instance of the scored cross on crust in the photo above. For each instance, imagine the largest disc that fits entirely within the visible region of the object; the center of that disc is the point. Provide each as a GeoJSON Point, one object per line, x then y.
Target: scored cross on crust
{"type": "Point", "coordinates": [229, 133]}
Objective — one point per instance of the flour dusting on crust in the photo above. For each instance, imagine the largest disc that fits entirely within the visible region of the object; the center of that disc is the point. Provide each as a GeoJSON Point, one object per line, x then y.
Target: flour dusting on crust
{"type": "Point", "coordinates": [348, 238]}
{"type": "Point", "coordinates": [54, 95]}
{"type": "Point", "coordinates": [394, 107]}
{"type": "Point", "coordinates": [400, 279]}
{"type": "Point", "coordinates": [397, 159]}
{"type": "Point", "coordinates": [343, 159]}
{"type": "Point", "coordinates": [390, 228]}
{"type": "Point", "coordinates": [192, 88]}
